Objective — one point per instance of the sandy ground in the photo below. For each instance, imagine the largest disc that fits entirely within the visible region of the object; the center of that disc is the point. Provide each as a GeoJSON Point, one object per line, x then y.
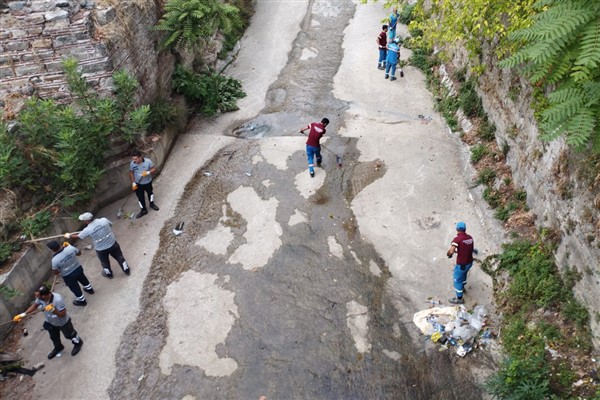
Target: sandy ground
{"type": "Point", "coordinates": [410, 187]}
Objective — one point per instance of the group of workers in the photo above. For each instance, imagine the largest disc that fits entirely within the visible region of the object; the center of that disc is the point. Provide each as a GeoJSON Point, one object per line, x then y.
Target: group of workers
{"type": "Point", "coordinates": [66, 264]}
{"type": "Point", "coordinates": [389, 47]}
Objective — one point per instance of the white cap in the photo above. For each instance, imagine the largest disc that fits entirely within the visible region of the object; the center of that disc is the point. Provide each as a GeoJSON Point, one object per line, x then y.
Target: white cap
{"type": "Point", "coordinates": [86, 216]}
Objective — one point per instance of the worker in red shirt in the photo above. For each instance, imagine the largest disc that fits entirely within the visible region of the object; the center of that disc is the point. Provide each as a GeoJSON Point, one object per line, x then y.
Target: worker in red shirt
{"type": "Point", "coordinates": [463, 246]}
{"type": "Point", "coordinates": [382, 44]}
{"type": "Point", "coordinates": [313, 148]}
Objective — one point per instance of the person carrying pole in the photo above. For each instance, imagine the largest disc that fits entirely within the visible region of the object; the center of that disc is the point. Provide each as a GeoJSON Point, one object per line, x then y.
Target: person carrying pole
{"type": "Point", "coordinates": [104, 241]}
{"type": "Point", "coordinates": [57, 320]}
{"type": "Point", "coordinates": [66, 264]}
{"type": "Point", "coordinates": [313, 148]}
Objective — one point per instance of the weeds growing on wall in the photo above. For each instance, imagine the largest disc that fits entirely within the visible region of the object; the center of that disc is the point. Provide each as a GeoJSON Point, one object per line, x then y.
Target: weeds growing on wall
{"type": "Point", "coordinates": [56, 156]}
{"type": "Point", "coordinates": [540, 313]}
{"type": "Point", "coordinates": [186, 22]}
{"type": "Point", "coordinates": [211, 92]}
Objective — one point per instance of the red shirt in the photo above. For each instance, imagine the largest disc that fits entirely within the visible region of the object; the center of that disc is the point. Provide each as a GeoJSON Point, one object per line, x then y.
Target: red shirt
{"type": "Point", "coordinates": [382, 39]}
{"type": "Point", "coordinates": [317, 130]}
{"type": "Point", "coordinates": [464, 248]}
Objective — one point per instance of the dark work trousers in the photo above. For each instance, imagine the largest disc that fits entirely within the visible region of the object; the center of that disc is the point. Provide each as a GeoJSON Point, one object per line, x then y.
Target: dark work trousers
{"type": "Point", "coordinates": [139, 192]}
{"type": "Point", "coordinates": [116, 253]}
{"type": "Point", "coordinates": [67, 330]}
{"type": "Point", "coordinates": [74, 279]}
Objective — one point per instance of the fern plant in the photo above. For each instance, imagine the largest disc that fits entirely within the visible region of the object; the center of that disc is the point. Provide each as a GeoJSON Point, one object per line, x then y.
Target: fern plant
{"type": "Point", "coordinates": [188, 21]}
{"type": "Point", "coordinates": [561, 51]}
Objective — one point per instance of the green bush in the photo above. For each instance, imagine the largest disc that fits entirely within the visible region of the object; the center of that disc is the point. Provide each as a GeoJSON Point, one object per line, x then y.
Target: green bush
{"type": "Point", "coordinates": [487, 130]}
{"type": "Point", "coordinates": [33, 226]}
{"type": "Point", "coordinates": [5, 251]}
{"type": "Point", "coordinates": [504, 212]}
{"type": "Point", "coordinates": [486, 176]}
{"type": "Point", "coordinates": [469, 101]}
{"type": "Point", "coordinates": [492, 197]}
{"type": "Point", "coordinates": [187, 21]}
{"type": "Point", "coordinates": [536, 281]}
{"type": "Point", "coordinates": [162, 114]}
{"type": "Point", "coordinates": [478, 152]}
{"type": "Point", "coordinates": [406, 14]}
{"type": "Point", "coordinates": [211, 92]}
{"type": "Point", "coordinates": [521, 379]}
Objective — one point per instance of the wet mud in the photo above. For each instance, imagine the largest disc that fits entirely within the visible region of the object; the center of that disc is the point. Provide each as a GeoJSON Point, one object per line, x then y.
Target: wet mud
{"type": "Point", "coordinates": [291, 339]}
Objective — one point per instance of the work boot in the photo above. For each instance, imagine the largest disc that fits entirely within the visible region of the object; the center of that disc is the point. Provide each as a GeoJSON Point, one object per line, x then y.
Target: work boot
{"type": "Point", "coordinates": [126, 270]}
{"type": "Point", "coordinates": [107, 273]}
{"type": "Point", "coordinates": [76, 348]}
{"type": "Point", "coordinates": [312, 174]}
{"type": "Point", "coordinates": [154, 207]}
{"type": "Point", "coordinates": [456, 300]}
{"type": "Point", "coordinates": [319, 164]}
{"type": "Point", "coordinates": [90, 290]}
{"type": "Point", "coordinates": [80, 303]}
{"type": "Point", "coordinates": [141, 213]}
{"type": "Point", "coordinates": [393, 78]}
{"type": "Point", "coordinates": [380, 67]}
{"type": "Point", "coordinates": [55, 352]}
{"type": "Point", "coordinates": [386, 76]}
{"type": "Point", "coordinates": [401, 74]}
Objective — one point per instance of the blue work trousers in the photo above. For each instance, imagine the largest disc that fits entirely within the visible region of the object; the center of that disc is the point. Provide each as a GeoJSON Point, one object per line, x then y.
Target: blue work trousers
{"type": "Point", "coordinates": [460, 278]}
{"type": "Point", "coordinates": [311, 152]}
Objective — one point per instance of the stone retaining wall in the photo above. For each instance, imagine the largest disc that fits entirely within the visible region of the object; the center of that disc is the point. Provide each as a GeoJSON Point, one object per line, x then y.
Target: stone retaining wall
{"type": "Point", "coordinates": [559, 198]}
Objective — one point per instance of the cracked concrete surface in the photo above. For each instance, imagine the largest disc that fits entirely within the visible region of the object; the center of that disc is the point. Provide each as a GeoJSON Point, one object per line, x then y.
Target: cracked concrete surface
{"type": "Point", "coordinates": [332, 267]}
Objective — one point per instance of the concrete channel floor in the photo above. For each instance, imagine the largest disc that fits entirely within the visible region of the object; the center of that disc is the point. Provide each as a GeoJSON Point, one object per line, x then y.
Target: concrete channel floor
{"type": "Point", "coordinates": [404, 184]}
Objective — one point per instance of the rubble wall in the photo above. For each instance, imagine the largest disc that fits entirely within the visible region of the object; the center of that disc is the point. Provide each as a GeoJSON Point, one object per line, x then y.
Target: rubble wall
{"type": "Point", "coordinates": [105, 35]}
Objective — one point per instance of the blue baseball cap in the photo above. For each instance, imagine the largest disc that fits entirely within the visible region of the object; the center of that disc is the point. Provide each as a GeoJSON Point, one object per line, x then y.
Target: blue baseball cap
{"type": "Point", "coordinates": [461, 226]}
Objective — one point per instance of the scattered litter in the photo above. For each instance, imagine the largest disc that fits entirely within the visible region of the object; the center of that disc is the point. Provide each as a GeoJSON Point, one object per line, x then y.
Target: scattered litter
{"type": "Point", "coordinates": [178, 230]}
{"type": "Point", "coordinates": [248, 173]}
{"type": "Point", "coordinates": [88, 247]}
{"type": "Point", "coordinates": [425, 119]}
{"type": "Point", "coordinates": [454, 326]}
{"type": "Point", "coordinates": [207, 173]}
{"type": "Point", "coordinates": [140, 378]}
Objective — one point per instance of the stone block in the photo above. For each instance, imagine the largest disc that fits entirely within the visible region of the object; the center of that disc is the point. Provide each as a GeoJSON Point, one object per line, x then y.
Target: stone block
{"type": "Point", "coordinates": [83, 35]}
{"type": "Point", "coordinates": [17, 33]}
{"type": "Point", "coordinates": [42, 5]}
{"type": "Point", "coordinates": [35, 31]}
{"type": "Point", "coordinates": [105, 16]}
{"type": "Point", "coordinates": [62, 3]}
{"type": "Point", "coordinates": [51, 27]}
{"type": "Point", "coordinates": [16, 46]}
{"type": "Point", "coordinates": [34, 19]}
{"type": "Point", "coordinates": [54, 66]}
{"type": "Point", "coordinates": [64, 40]}
{"type": "Point", "coordinates": [16, 5]}
{"type": "Point", "coordinates": [56, 15]}
{"type": "Point", "coordinates": [41, 44]}
{"type": "Point", "coordinates": [23, 70]}
{"type": "Point", "coordinates": [98, 66]}
{"type": "Point", "coordinates": [89, 4]}
{"type": "Point", "coordinates": [5, 72]}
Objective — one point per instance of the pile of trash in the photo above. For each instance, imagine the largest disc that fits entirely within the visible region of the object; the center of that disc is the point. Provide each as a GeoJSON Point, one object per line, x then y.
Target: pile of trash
{"type": "Point", "coordinates": [454, 327]}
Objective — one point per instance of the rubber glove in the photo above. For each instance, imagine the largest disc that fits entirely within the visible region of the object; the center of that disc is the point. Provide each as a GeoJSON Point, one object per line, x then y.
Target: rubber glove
{"type": "Point", "coordinates": [65, 244]}
{"type": "Point", "coordinates": [67, 236]}
{"type": "Point", "coordinates": [49, 308]}
{"type": "Point", "coordinates": [17, 318]}
{"type": "Point", "coordinates": [145, 173]}
{"type": "Point", "coordinates": [133, 186]}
